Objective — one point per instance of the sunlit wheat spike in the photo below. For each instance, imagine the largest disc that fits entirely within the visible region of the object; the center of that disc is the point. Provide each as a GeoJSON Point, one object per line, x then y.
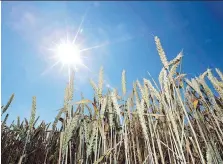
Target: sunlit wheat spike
{"type": "Point", "coordinates": [140, 88]}
{"type": "Point", "coordinates": [189, 83]}
{"type": "Point", "coordinates": [86, 131]}
{"type": "Point", "coordinates": [66, 96]}
{"type": "Point", "coordinates": [115, 103]}
{"type": "Point", "coordinates": [196, 86]}
{"type": "Point", "coordinates": [166, 88]}
{"type": "Point", "coordinates": [180, 77]}
{"type": "Point", "coordinates": [115, 90]}
{"type": "Point", "coordinates": [135, 91]}
{"type": "Point", "coordinates": [176, 59]}
{"type": "Point", "coordinates": [146, 93]}
{"type": "Point", "coordinates": [143, 92]}
{"type": "Point", "coordinates": [110, 118]}
{"type": "Point", "coordinates": [33, 113]}
{"type": "Point", "coordinates": [140, 111]}
{"type": "Point", "coordinates": [219, 73]}
{"type": "Point", "coordinates": [210, 95]}
{"type": "Point", "coordinates": [4, 109]}
{"type": "Point", "coordinates": [206, 88]}
{"type": "Point", "coordinates": [69, 132]}
{"type": "Point", "coordinates": [174, 68]}
{"type": "Point", "coordinates": [151, 88]}
{"type": "Point", "coordinates": [94, 86]}
{"type": "Point", "coordinates": [104, 103]}
{"type": "Point", "coordinates": [100, 82]}
{"type": "Point", "coordinates": [215, 82]}
{"type": "Point", "coordinates": [203, 75]}
{"type": "Point", "coordinates": [161, 78]}
{"type": "Point", "coordinates": [128, 104]}
{"type": "Point", "coordinates": [71, 86]}
{"type": "Point", "coordinates": [123, 82]}
{"type": "Point", "coordinates": [161, 52]}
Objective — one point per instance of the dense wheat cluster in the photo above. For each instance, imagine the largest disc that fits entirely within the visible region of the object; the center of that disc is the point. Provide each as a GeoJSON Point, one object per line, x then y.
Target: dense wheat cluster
{"type": "Point", "coordinates": [176, 121]}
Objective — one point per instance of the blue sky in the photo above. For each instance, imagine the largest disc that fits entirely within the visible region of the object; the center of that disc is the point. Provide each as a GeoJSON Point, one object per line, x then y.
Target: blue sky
{"type": "Point", "coordinates": [124, 28]}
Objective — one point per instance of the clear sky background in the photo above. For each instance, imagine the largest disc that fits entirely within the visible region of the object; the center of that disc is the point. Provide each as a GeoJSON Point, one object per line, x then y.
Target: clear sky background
{"type": "Point", "coordinates": [124, 28]}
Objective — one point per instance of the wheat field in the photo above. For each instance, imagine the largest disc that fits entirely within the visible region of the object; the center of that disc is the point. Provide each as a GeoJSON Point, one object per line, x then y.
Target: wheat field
{"type": "Point", "coordinates": [176, 120]}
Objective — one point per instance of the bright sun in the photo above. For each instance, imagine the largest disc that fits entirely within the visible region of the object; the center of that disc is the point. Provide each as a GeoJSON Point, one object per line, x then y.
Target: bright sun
{"type": "Point", "coordinates": [68, 54]}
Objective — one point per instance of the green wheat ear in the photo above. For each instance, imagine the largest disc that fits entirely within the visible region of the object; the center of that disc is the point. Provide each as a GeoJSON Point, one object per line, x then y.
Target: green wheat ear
{"type": "Point", "coordinates": [4, 108]}
{"type": "Point", "coordinates": [69, 132]}
{"type": "Point", "coordinates": [33, 113]}
{"type": "Point", "coordinates": [62, 110]}
{"type": "Point", "coordinates": [5, 119]}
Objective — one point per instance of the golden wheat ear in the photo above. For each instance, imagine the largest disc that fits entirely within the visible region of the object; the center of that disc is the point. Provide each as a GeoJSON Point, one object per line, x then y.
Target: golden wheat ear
{"type": "Point", "coordinates": [161, 52]}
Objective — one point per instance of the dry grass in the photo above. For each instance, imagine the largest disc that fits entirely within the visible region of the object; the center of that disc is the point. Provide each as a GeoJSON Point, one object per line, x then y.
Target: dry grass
{"type": "Point", "coordinates": [179, 121]}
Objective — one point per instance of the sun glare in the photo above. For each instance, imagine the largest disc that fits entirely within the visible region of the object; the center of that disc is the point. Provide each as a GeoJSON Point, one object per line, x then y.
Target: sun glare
{"type": "Point", "coordinates": [68, 54]}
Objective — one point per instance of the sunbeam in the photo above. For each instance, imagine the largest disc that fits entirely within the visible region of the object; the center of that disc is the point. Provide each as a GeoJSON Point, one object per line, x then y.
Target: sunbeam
{"type": "Point", "coordinates": [69, 54]}
{"type": "Point", "coordinates": [80, 26]}
{"type": "Point", "coordinates": [51, 67]}
{"type": "Point", "coordinates": [94, 47]}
